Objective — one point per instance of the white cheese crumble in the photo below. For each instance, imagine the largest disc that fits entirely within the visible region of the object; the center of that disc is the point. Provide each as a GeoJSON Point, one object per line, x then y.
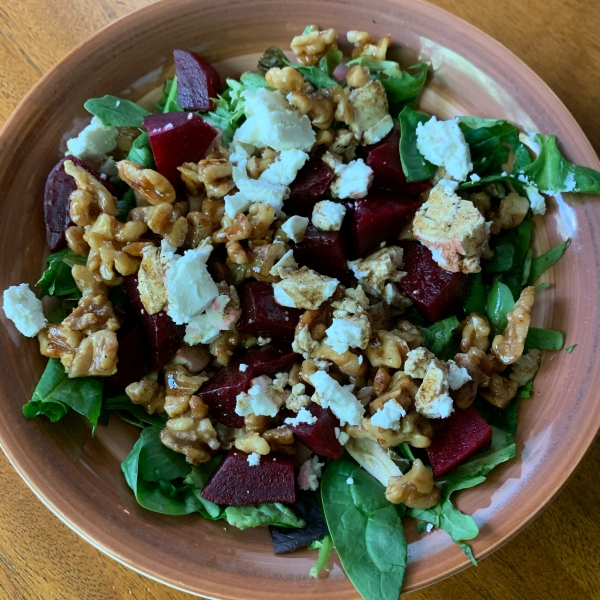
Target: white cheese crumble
{"type": "Point", "coordinates": [349, 481]}
{"type": "Point", "coordinates": [93, 142]}
{"type": "Point", "coordinates": [305, 289]}
{"type": "Point", "coordinates": [254, 459]}
{"type": "Point", "coordinates": [262, 399]}
{"type": "Point", "coordinates": [378, 269]}
{"type": "Point", "coordinates": [295, 228]}
{"type": "Point", "coordinates": [303, 416]}
{"type": "Point", "coordinates": [352, 180]}
{"type": "Point", "coordinates": [310, 473]}
{"type": "Point", "coordinates": [432, 398]}
{"type": "Point", "coordinates": [297, 398]}
{"type": "Point", "coordinates": [537, 202]}
{"type": "Point", "coordinates": [429, 527]}
{"type": "Point", "coordinates": [341, 436]}
{"type": "Point", "coordinates": [417, 361]}
{"type": "Point", "coordinates": [372, 121]}
{"type": "Point", "coordinates": [205, 328]}
{"type": "Point", "coordinates": [342, 403]}
{"type": "Point", "coordinates": [328, 215]}
{"type": "Point", "coordinates": [263, 341]}
{"type": "Point", "coordinates": [285, 168]}
{"type": "Point", "coordinates": [285, 266]}
{"type": "Point", "coordinates": [389, 416]}
{"type": "Point", "coordinates": [457, 376]}
{"type": "Point", "coordinates": [24, 309]}
{"type": "Point", "coordinates": [443, 144]}
{"type": "Point", "coordinates": [350, 332]}
{"type": "Point", "coordinates": [243, 367]}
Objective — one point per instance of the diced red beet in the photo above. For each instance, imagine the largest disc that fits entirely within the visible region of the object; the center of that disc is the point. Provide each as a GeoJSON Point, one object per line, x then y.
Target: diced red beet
{"type": "Point", "coordinates": [436, 293]}
{"type": "Point", "coordinates": [380, 217]}
{"type": "Point", "coordinates": [262, 316]}
{"type": "Point", "coordinates": [323, 251]}
{"type": "Point", "coordinates": [456, 438]}
{"type": "Point", "coordinates": [416, 188]}
{"type": "Point", "coordinates": [177, 137]}
{"type": "Point", "coordinates": [384, 159]}
{"type": "Point", "coordinates": [319, 436]}
{"type": "Point", "coordinates": [57, 201]}
{"type": "Point", "coordinates": [197, 81]}
{"type": "Point", "coordinates": [310, 184]}
{"type": "Point", "coordinates": [237, 483]}
{"type": "Point", "coordinates": [134, 362]}
{"type": "Point", "coordinates": [161, 334]}
{"type": "Point", "coordinates": [221, 391]}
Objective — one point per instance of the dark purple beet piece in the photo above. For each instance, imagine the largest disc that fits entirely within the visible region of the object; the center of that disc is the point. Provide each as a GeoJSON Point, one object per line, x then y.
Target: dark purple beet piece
{"type": "Point", "coordinates": [323, 251]}
{"type": "Point", "coordinates": [384, 159]}
{"type": "Point", "coordinates": [221, 391]}
{"type": "Point", "coordinates": [197, 81]}
{"type": "Point", "coordinates": [310, 184]}
{"type": "Point", "coordinates": [262, 316]}
{"type": "Point", "coordinates": [237, 483]}
{"type": "Point", "coordinates": [162, 335]}
{"type": "Point", "coordinates": [456, 438]}
{"type": "Point", "coordinates": [288, 539]}
{"type": "Point", "coordinates": [319, 436]}
{"type": "Point", "coordinates": [177, 137]}
{"type": "Point", "coordinates": [436, 293]}
{"type": "Point", "coordinates": [134, 362]}
{"type": "Point", "coordinates": [380, 217]}
{"type": "Point", "coordinates": [57, 201]}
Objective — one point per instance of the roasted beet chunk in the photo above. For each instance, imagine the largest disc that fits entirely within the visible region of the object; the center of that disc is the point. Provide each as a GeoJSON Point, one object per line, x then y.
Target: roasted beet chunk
{"type": "Point", "coordinates": [310, 184]}
{"type": "Point", "coordinates": [323, 251]}
{"type": "Point", "coordinates": [380, 217]}
{"type": "Point", "coordinates": [384, 159]}
{"type": "Point", "coordinates": [177, 137]}
{"type": "Point", "coordinates": [160, 332]}
{"type": "Point", "coordinates": [237, 483]}
{"type": "Point", "coordinates": [318, 436]}
{"type": "Point", "coordinates": [134, 362]}
{"type": "Point", "coordinates": [197, 81]}
{"type": "Point", "coordinates": [262, 316]}
{"type": "Point", "coordinates": [221, 391]}
{"type": "Point", "coordinates": [456, 438]}
{"type": "Point", "coordinates": [436, 293]}
{"type": "Point", "coordinates": [57, 201]}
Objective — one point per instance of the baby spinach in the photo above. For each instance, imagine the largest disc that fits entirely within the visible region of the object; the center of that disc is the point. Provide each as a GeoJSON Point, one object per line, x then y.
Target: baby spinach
{"type": "Point", "coordinates": [502, 260]}
{"type": "Point", "coordinates": [414, 165]}
{"type": "Point", "coordinates": [125, 204]}
{"type": "Point", "coordinates": [542, 263]}
{"type": "Point", "coordinates": [544, 339]}
{"type": "Point", "coordinates": [56, 393]}
{"type": "Point", "coordinates": [133, 413]}
{"type": "Point", "coordinates": [439, 336]}
{"type": "Point", "coordinates": [330, 61]}
{"type": "Point", "coordinates": [570, 349]}
{"type": "Point", "coordinates": [476, 300]}
{"type": "Point", "coordinates": [273, 513]}
{"type": "Point", "coordinates": [57, 279]}
{"type": "Point", "coordinates": [140, 153]}
{"type": "Point", "coordinates": [324, 546]}
{"type": "Point", "coordinates": [168, 102]}
{"type": "Point", "coordinates": [116, 112]}
{"type": "Point", "coordinates": [366, 530]}
{"type": "Point", "coordinates": [499, 302]}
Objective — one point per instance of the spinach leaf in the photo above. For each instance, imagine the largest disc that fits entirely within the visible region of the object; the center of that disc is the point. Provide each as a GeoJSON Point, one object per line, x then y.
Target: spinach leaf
{"type": "Point", "coordinates": [544, 339]}
{"type": "Point", "coordinates": [476, 301]}
{"type": "Point", "coordinates": [60, 310]}
{"type": "Point", "coordinates": [520, 239]}
{"type": "Point", "coordinates": [438, 337]}
{"type": "Point", "coordinates": [197, 478]}
{"type": "Point", "coordinates": [273, 513]}
{"type": "Point", "coordinates": [57, 279]}
{"type": "Point", "coordinates": [499, 302]}
{"type": "Point", "coordinates": [132, 413]}
{"type": "Point", "coordinates": [526, 390]}
{"type": "Point", "coordinates": [414, 165]}
{"type": "Point", "coordinates": [541, 263]}
{"type": "Point", "coordinates": [504, 419]}
{"type": "Point", "coordinates": [366, 530]}
{"type": "Point", "coordinates": [125, 204]}
{"type": "Point", "coordinates": [467, 550]}
{"type": "Point", "coordinates": [56, 393]}
{"type": "Point", "coordinates": [316, 77]}
{"type": "Point", "coordinates": [116, 112]}
{"type": "Point", "coordinates": [168, 102]}
{"type": "Point", "coordinates": [551, 173]}
{"type": "Point", "coordinates": [325, 546]}
{"type": "Point", "coordinates": [330, 61]}
{"type": "Point", "coordinates": [570, 349]}
{"type": "Point", "coordinates": [503, 256]}
{"type": "Point", "coordinates": [140, 153]}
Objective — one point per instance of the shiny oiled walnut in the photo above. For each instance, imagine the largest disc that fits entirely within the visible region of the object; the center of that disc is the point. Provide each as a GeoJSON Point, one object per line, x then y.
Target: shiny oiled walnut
{"type": "Point", "coordinates": [195, 438]}
{"type": "Point", "coordinates": [313, 45]}
{"type": "Point", "coordinates": [149, 184]}
{"type": "Point", "coordinates": [416, 489]}
{"type": "Point", "coordinates": [148, 393]}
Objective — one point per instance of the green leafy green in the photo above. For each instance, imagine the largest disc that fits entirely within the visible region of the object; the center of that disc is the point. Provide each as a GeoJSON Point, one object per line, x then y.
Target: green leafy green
{"type": "Point", "coordinates": [330, 61]}
{"type": "Point", "coordinates": [56, 393]}
{"type": "Point", "coordinates": [571, 348]}
{"type": "Point", "coordinates": [272, 57]}
{"type": "Point", "coordinates": [520, 240]}
{"type": "Point", "coordinates": [366, 530]}
{"type": "Point", "coordinates": [141, 153]}
{"type": "Point", "coordinates": [504, 419]}
{"type": "Point", "coordinates": [499, 302]}
{"type": "Point", "coordinates": [467, 550]}
{"type": "Point", "coordinates": [125, 204]}
{"type": "Point", "coordinates": [476, 301]}
{"type": "Point", "coordinates": [59, 310]}
{"type": "Point", "coordinates": [438, 337]}
{"type": "Point", "coordinates": [324, 546]}
{"type": "Point", "coordinates": [544, 339]}
{"type": "Point", "coordinates": [116, 112]}
{"type": "Point", "coordinates": [502, 260]}
{"type": "Point", "coordinates": [132, 413]}
{"type": "Point", "coordinates": [168, 102]}
{"type": "Point", "coordinates": [542, 263]}
{"type": "Point", "coordinates": [414, 165]}
{"type": "Point", "coordinates": [273, 513]}
{"type": "Point", "coordinates": [526, 390]}
{"type": "Point", "coordinates": [57, 279]}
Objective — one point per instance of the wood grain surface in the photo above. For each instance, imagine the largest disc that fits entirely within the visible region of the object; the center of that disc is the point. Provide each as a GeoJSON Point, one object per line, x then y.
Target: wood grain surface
{"type": "Point", "coordinates": [557, 557]}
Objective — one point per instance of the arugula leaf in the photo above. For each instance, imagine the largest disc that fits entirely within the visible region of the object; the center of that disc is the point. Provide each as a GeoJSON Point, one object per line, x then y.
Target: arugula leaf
{"type": "Point", "coordinates": [330, 61]}
{"type": "Point", "coordinates": [56, 393]}
{"type": "Point", "coordinates": [273, 57]}
{"type": "Point", "coordinates": [366, 530]}
{"type": "Point", "coordinates": [476, 301]}
{"type": "Point", "coordinates": [414, 165]}
{"type": "Point", "coordinates": [168, 102]}
{"type": "Point", "coordinates": [542, 263]}
{"type": "Point", "coordinates": [438, 337]}
{"type": "Point", "coordinates": [499, 302]}
{"type": "Point", "coordinates": [317, 77]}
{"type": "Point", "coordinates": [125, 204]}
{"type": "Point", "coordinates": [273, 513]}
{"type": "Point", "coordinates": [325, 546]}
{"type": "Point", "coordinates": [57, 279]}
{"type": "Point", "coordinates": [132, 413]}
{"type": "Point", "coordinates": [544, 339]}
{"type": "Point", "coordinates": [141, 152]}
{"type": "Point", "coordinates": [116, 112]}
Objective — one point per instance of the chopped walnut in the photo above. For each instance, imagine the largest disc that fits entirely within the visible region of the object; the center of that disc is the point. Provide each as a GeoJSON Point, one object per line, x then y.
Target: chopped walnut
{"type": "Point", "coordinates": [526, 367]}
{"type": "Point", "coordinates": [358, 76]}
{"type": "Point", "coordinates": [344, 144]}
{"type": "Point", "coordinates": [500, 390]}
{"type": "Point", "coordinates": [387, 348]}
{"type": "Point", "coordinates": [148, 393]}
{"type": "Point", "coordinates": [96, 356]}
{"type": "Point", "coordinates": [257, 423]}
{"type": "Point", "coordinates": [151, 287]}
{"type": "Point", "coordinates": [348, 363]}
{"type": "Point", "coordinates": [312, 46]}
{"type": "Point", "coordinates": [86, 282]}
{"type": "Point", "coordinates": [285, 80]}
{"type": "Point", "coordinates": [224, 346]}
{"type": "Point", "coordinates": [344, 113]}
{"type": "Point", "coordinates": [192, 437]}
{"type": "Point", "coordinates": [180, 387]}
{"type": "Point", "coordinates": [416, 489]}
{"type": "Point", "coordinates": [475, 332]}
{"type": "Point", "coordinates": [401, 388]}
{"type": "Point", "coordinates": [109, 260]}
{"type": "Point", "coordinates": [199, 228]}
{"type": "Point", "coordinates": [150, 185]}
{"type": "Point", "coordinates": [415, 430]}
{"type": "Point", "coordinates": [511, 212]}
{"type": "Point", "coordinates": [253, 442]}
{"type": "Point", "coordinates": [260, 217]}
{"type": "Point", "coordinates": [316, 105]}
{"type": "Point", "coordinates": [216, 175]}
{"type": "Point", "coordinates": [297, 398]}
{"type": "Point", "coordinates": [257, 165]}
{"type": "Point", "coordinates": [58, 341]}
{"type": "Point", "coordinates": [365, 45]}
{"type": "Point", "coordinates": [93, 313]}
{"type": "Point", "coordinates": [381, 380]}
{"type": "Point", "coordinates": [410, 333]}
{"type": "Point", "coordinates": [75, 240]}
{"type": "Point", "coordinates": [278, 438]}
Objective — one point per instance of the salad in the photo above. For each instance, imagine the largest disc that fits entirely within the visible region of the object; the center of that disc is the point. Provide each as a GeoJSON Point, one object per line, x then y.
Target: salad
{"type": "Point", "coordinates": [313, 299]}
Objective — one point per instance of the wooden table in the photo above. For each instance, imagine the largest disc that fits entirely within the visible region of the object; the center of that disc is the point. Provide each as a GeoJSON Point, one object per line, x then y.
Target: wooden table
{"type": "Point", "coordinates": [557, 557]}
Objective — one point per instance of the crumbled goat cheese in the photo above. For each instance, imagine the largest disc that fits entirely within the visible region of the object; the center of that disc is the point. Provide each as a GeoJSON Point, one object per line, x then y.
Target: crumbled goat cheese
{"type": "Point", "coordinates": [205, 328]}
{"type": "Point", "coordinates": [417, 361]}
{"type": "Point", "coordinates": [328, 215]}
{"type": "Point", "coordinates": [432, 398]}
{"type": "Point", "coordinates": [537, 202]}
{"type": "Point", "coordinates": [271, 122]}
{"type": "Point", "coordinates": [297, 398]}
{"type": "Point", "coordinates": [341, 436]}
{"type": "Point", "coordinates": [350, 332]}
{"type": "Point", "coordinates": [365, 394]}
{"type": "Point", "coordinates": [453, 229]}
{"type": "Point", "coordinates": [344, 145]}
{"type": "Point", "coordinates": [395, 297]}
{"type": "Point", "coordinates": [474, 177]}
{"type": "Point", "coordinates": [429, 527]}
{"type": "Point", "coordinates": [261, 341]}
{"type": "Point", "coordinates": [303, 342]}
{"type": "Point", "coordinates": [331, 394]}
{"type": "Point", "coordinates": [303, 416]}
{"type": "Point", "coordinates": [378, 269]}
{"type": "Point", "coordinates": [310, 473]}
{"type": "Point", "coordinates": [352, 180]}
{"type": "Point", "coordinates": [254, 459]}
{"type": "Point", "coordinates": [285, 266]}
{"type": "Point", "coordinates": [443, 144]}
{"type": "Point", "coordinates": [457, 376]}
{"type": "Point", "coordinates": [151, 284]}
{"type": "Point", "coordinates": [389, 416]}
{"type": "Point", "coordinates": [262, 399]}
{"type": "Point", "coordinates": [295, 228]}
{"type": "Point", "coordinates": [372, 120]}
{"type": "Point", "coordinates": [24, 309]}
{"type": "Point", "coordinates": [109, 168]}
{"type": "Point", "coordinates": [243, 367]}
{"type": "Point", "coordinates": [349, 481]}
{"type": "Point", "coordinates": [305, 289]}
{"type": "Point", "coordinates": [93, 142]}
{"type": "Point", "coordinates": [285, 168]}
